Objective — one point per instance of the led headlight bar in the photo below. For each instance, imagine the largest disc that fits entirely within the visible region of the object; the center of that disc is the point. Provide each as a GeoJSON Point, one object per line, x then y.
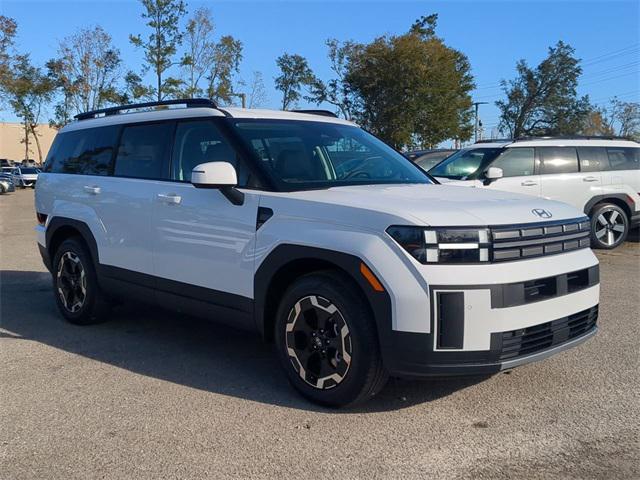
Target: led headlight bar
{"type": "Point", "coordinates": [443, 245]}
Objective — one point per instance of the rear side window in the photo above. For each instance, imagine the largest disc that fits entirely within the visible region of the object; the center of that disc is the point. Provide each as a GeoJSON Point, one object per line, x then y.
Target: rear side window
{"type": "Point", "coordinates": [516, 162]}
{"type": "Point", "coordinates": [143, 151]}
{"type": "Point", "coordinates": [623, 158]}
{"type": "Point", "coordinates": [558, 160]}
{"type": "Point", "coordinates": [592, 159]}
{"type": "Point", "coordinates": [83, 152]}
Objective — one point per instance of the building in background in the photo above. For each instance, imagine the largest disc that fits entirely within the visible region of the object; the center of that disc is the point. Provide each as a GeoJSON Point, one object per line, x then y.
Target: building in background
{"type": "Point", "coordinates": [12, 141]}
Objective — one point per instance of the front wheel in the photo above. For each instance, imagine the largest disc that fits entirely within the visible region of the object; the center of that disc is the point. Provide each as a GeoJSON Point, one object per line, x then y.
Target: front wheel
{"type": "Point", "coordinates": [609, 226]}
{"type": "Point", "coordinates": [327, 341]}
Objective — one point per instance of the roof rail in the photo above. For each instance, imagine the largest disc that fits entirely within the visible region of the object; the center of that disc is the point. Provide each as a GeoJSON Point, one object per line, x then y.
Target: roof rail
{"type": "Point", "coordinates": [323, 113]}
{"type": "Point", "coordinates": [187, 102]}
{"type": "Point", "coordinates": [494, 140]}
{"type": "Point", "coordinates": [571, 137]}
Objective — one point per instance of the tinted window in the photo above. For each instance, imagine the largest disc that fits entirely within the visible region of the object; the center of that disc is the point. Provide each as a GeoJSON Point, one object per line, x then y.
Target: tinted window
{"type": "Point", "coordinates": [516, 162]}
{"type": "Point", "coordinates": [87, 152]}
{"type": "Point", "coordinates": [201, 142]}
{"type": "Point", "coordinates": [592, 159]}
{"type": "Point", "coordinates": [143, 151]}
{"type": "Point", "coordinates": [465, 163]}
{"type": "Point", "coordinates": [622, 158]}
{"type": "Point", "coordinates": [558, 160]}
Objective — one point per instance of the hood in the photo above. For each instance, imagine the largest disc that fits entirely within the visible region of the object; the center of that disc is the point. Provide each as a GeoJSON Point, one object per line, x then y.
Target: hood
{"type": "Point", "coordinates": [442, 205]}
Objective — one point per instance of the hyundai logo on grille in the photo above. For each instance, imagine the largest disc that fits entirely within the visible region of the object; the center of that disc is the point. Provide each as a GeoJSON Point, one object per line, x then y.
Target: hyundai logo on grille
{"type": "Point", "coordinates": [541, 212]}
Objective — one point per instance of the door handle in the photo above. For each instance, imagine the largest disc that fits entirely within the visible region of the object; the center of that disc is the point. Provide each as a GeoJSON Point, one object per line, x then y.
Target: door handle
{"type": "Point", "coordinates": [589, 179]}
{"type": "Point", "coordinates": [92, 190]}
{"type": "Point", "coordinates": [170, 198]}
{"type": "Point", "coordinates": [529, 183]}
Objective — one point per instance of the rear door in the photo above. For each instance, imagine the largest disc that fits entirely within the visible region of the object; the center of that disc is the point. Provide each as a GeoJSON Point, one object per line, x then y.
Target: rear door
{"type": "Point", "coordinates": [124, 201]}
{"type": "Point", "coordinates": [562, 179]}
{"type": "Point", "coordinates": [518, 168]}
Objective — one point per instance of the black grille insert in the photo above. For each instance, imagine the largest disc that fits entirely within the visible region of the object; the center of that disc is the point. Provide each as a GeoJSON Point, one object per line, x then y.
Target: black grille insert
{"type": "Point", "coordinates": [516, 242]}
{"type": "Point", "coordinates": [530, 340]}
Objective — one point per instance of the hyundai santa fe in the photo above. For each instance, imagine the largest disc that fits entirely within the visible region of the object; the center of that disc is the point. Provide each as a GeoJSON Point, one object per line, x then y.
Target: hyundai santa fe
{"type": "Point", "coordinates": [316, 235]}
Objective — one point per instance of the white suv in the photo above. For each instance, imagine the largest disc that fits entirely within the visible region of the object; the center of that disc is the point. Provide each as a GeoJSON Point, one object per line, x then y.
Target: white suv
{"type": "Point", "coordinates": [598, 175]}
{"type": "Point", "coordinates": [315, 234]}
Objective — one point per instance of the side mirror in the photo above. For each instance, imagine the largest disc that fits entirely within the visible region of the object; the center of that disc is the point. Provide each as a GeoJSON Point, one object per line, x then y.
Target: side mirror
{"type": "Point", "coordinates": [492, 174]}
{"type": "Point", "coordinates": [220, 176]}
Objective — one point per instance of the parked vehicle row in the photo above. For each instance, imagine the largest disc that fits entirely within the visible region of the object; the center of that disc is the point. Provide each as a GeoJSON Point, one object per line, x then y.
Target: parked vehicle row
{"type": "Point", "coordinates": [315, 234]}
{"type": "Point", "coordinates": [22, 177]}
{"type": "Point", "coordinates": [599, 176]}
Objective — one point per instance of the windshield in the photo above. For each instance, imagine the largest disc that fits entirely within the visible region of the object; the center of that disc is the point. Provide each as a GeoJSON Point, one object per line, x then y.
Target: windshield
{"type": "Point", "coordinates": [464, 164]}
{"type": "Point", "coordinates": [300, 155]}
{"type": "Point", "coordinates": [430, 160]}
{"type": "Point", "coordinates": [28, 171]}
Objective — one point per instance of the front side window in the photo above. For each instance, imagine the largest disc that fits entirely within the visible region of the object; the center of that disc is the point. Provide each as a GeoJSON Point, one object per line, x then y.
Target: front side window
{"type": "Point", "coordinates": [555, 160]}
{"type": "Point", "coordinates": [143, 151]}
{"type": "Point", "coordinates": [299, 155]}
{"type": "Point", "coordinates": [516, 162]}
{"type": "Point", "coordinates": [465, 164]}
{"type": "Point", "coordinates": [199, 142]}
{"type": "Point", "coordinates": [623, 158]}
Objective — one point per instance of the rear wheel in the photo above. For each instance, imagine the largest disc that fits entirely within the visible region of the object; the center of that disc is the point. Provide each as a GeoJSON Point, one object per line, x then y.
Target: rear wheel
{"type": "Point", "coordinates": [609, 226]}
{"type": "Point", "coordinates": [327, 341]}
{"type": "Point", "coordinates": [75, 284]}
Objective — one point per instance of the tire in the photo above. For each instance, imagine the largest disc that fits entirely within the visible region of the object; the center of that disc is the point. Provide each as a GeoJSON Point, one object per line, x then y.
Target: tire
{"type": "Point", "coordinates": [609, 226]}
{"type": "Point", "coordinates": [317, 308]}
{"type": "Point", "coordinates": [75, 284]}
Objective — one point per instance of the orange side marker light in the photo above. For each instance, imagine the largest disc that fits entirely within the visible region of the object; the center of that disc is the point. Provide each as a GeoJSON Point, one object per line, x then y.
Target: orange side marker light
{"type": "Point", "coordinates": [371, 278]}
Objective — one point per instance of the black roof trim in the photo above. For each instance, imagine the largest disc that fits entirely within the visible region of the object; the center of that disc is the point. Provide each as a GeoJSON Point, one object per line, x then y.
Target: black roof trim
{"type": "Point", "coordinates": [187, 102]}
{"type": "Point", "coordinates": [571, 137]}
{"type": "Point", "coordinates": [323, 113]}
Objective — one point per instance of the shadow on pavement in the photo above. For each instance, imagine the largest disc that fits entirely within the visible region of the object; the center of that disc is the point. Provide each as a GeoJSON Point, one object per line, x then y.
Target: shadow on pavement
{"type": "Point", "coordinates": [181, 349]}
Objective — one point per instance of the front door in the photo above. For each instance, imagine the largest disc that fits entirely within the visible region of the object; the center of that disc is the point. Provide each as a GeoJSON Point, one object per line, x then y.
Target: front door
{"type": "Point", "coordinates": [202, 243]}
{"type": "Point", "coordinates": [518, 168]}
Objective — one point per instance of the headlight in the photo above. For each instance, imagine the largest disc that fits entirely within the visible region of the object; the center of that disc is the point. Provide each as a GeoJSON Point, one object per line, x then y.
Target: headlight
{"type": "Point", "coordinates": [443, 245]}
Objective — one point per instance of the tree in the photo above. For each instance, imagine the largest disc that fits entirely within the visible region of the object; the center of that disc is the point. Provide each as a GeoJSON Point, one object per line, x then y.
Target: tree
{"type": "Point", "coordinates": [227, 55]}
{"type": "Point", "coordinates": [411, 89]}
{"type": "Point", "coordinates": [294, 74]}
{"type": "Point", "coordinates": [27, 90]}
{"type": "Point", "coordinates": [619, 118]}
{"type": "Point", "coordinates": [336, 91]}
{"type": "Point", "coordinates": [543, 100]}
{"type": "Point", "coordinates": [257, 92]}
{"type": "Point", "coordinates": [8, 28]}
{"type": "Point", "coordinates": [163, 18]}
{"type": "Point", "coordinates": [86, 72]}
{"type": "Point", "coordinates": [198, 59]}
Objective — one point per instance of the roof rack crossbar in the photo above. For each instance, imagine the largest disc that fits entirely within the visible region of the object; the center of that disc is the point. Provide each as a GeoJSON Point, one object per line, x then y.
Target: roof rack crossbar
{"type": "Point", "coordinates": [323, 113]}
{"type": "Point", "coordinates": [187, 102]}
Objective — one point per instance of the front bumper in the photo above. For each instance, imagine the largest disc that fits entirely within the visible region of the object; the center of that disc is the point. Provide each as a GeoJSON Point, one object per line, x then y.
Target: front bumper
{"type": "Point", "coordinates": [483, 329]}
{"type": "Point", "coordinates": [508, 349]}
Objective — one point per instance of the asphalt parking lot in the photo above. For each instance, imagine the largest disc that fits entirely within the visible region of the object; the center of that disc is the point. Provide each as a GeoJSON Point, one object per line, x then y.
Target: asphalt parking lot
{"type": "Point", "coordinates": [154, 395]}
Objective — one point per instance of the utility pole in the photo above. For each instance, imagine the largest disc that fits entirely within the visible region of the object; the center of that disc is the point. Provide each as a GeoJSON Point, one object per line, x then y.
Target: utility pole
{"type": "Point", "coordinates": [243, 98]}
{"type": "Point", "coordinates": [477, 104]}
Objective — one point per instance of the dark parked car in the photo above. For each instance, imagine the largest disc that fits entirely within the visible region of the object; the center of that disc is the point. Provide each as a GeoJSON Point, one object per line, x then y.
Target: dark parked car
{"type": "Point", "coordinates": [431, 158]}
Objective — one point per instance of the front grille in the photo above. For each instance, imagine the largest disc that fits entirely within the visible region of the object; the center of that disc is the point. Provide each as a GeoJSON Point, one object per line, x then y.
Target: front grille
{"type": "Point", "coordinates": [526, 341]}
{"type": "Point", "coordinates": [519, 242]}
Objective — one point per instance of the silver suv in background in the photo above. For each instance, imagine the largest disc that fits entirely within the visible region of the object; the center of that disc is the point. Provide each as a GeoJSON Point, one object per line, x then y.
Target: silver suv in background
{"type": "Point", "coordinates": [598, 175]}
{"type": "Point", "coordinates": [25, 177]}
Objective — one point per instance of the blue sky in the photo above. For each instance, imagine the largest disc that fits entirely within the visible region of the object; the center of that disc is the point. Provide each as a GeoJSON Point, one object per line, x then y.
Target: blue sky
{"type": "Point", "coordinates": [494, 35]}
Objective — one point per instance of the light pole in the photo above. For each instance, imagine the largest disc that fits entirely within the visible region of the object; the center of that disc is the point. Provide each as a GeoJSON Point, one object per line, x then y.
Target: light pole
{"type": "Point", "coordinates": [243, 98]}
{"type": "Point", "coordinates": [477, 104]}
